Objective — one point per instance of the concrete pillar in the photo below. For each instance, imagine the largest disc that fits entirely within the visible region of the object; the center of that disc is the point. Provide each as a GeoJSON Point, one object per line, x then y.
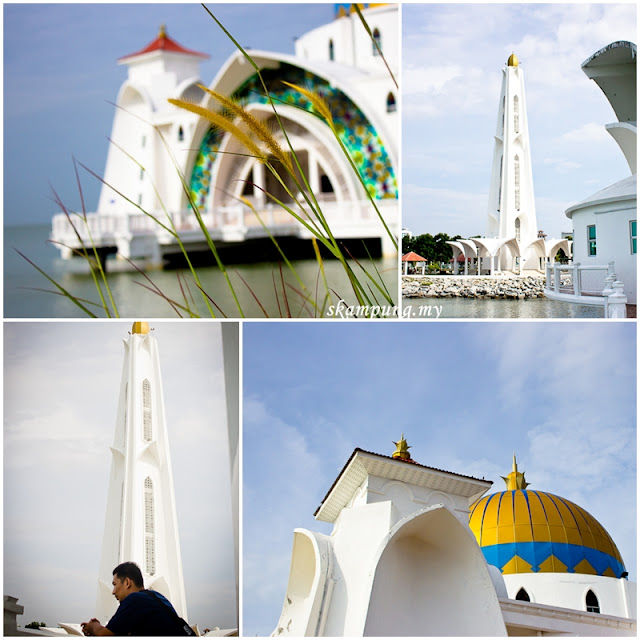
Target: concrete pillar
{"type": "Point", "coordinates": [314, 174]}
{"type": "Point", "coordinates": [259, 181]}
{"type": "Point", "coordinates": [11, 611]}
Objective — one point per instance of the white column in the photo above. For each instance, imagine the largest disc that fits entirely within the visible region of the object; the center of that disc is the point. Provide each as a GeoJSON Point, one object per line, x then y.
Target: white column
{"type": "Point", "coordinates": [259, 181]}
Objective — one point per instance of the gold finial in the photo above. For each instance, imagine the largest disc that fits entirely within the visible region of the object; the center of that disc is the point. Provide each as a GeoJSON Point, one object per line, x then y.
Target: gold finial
{"type": "Point", "coordinates": [512, 61]}
{"type": "Point", "coordinates": [402, 449]}
{"type": "Point", "coordinates": [162, 33]}
{"type": "Point", "coordinates": [140, 327]}
{"type": "Point", "coordinates": [515, 480]}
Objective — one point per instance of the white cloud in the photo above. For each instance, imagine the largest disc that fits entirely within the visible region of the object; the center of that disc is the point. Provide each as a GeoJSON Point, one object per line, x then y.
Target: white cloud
{"type": "Point", "coordinates": [453, 56]}
{"type": "Point", "coordinates": [586, 134]}
{"type": "Point", "coordinates": [562, 164]}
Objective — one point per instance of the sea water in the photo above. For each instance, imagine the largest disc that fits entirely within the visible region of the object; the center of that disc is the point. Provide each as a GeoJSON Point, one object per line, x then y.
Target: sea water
{"type": "Point", "coordinates": [501, 308]}
{"type": "Point", "coordinates": [28, 293]}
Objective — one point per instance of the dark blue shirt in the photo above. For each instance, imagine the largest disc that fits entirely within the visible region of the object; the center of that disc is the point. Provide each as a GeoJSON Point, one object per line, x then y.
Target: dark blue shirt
{"type": "Point", "coordinates": [141, 613]}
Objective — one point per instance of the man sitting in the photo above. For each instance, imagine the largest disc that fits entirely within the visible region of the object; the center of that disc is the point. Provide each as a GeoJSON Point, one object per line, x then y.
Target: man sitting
{"type": "Point", "coordinates": [141, 612]}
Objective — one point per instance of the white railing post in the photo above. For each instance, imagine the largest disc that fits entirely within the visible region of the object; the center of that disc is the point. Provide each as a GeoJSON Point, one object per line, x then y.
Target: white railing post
{"type": "Point", "coordinates": [617, 302]}
{"type": "Point", "coordinates": [577, 279]}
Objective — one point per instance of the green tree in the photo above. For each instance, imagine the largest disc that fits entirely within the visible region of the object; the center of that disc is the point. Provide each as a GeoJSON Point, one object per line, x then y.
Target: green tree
{"type": "Point", "coordinates": [35, 625]}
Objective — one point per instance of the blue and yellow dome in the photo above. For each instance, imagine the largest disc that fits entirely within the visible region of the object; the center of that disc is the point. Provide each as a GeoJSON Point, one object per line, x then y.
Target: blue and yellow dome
{"type": "Point", "coordinates": [523, 531]}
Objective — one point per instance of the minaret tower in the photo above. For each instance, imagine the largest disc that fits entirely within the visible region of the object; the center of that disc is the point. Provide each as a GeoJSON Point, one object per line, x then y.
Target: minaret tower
{"type": "Point", "coordinates": [161, 70]}
{"type": "Point", "coordinates": [512, 212]}
{"type": "Point", "coordinates": [141, 524]}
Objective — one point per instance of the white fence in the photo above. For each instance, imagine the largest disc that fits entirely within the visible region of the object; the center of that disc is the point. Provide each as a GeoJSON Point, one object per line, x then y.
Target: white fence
{"type": "Point", "coordinates": [577, 279]}
{"type": "Point", "coordinates": [587, 284]}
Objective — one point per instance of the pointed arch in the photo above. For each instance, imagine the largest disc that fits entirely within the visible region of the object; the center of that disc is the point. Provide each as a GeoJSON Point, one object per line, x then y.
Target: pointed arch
{"type": "Point", "coordinates": [331, 50]}
{"type": "Point", "coordinates": [391, 102]}
{"type": "Point", "coordinates": [591, 602]}
{"type": "Point", "coordinates": [377, 40]}
{"type": "Point", "coordinates": [523, 595]}
{"type": "Point", "coordinates": [430, 562]}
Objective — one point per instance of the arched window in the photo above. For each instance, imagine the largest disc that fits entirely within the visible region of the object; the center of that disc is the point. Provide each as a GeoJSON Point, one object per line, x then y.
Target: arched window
{"type": "Point", "coordinates": [516, 180]}
{"type": "Point", "coordinates": [149, 529]}
{"type": "Point", "coordinates": [500, 185]}
{"type": "Point", "coordinates": [523, 595]}
{"type": "Point", "coordinates": [180, 134]}
{"type": "Point", "coordinates": [516, 115]}
{"type": "Point", "coordinates": [377, 40]}
{"type": "Point", "coordinates": [391, 103]}
{"type": "Point", "coordinates": [330, 49]}
{"type": "Point", "coordinates": [592, 602]}
{"type": "Point", "coordinates": [146, 410]}
{"type": "Point", "coordinates": [518, 229]}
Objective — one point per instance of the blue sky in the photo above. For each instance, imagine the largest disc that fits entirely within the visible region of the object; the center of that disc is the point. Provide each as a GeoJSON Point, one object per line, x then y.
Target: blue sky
{"type": "Point", "coordinates": [453, 55]}
{"type": "Point", "coordinates": [60, 73]}
{"type": "Point", "coordinates": [466, 396]}
{"type": "Point", "coordinates": [61, 386]}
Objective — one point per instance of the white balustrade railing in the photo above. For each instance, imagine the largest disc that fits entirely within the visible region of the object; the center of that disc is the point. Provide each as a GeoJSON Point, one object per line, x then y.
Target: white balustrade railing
{"type": "Point", "coordinates": [577, 279]}
{"type": "Point", "coordinates": [121, 230]}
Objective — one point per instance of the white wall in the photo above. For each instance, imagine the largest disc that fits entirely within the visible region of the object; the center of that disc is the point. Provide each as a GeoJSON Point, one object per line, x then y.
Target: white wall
{"type": "Point", "coordinates": [617, 597]}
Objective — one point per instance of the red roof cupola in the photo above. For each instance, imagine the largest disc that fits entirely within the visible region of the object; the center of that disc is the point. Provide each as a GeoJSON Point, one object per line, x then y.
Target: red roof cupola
{"type": "Point", "coordinates": [163, 43]}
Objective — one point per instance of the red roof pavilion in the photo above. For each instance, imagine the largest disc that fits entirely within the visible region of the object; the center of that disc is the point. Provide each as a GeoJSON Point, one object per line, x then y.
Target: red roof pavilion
{"type": "Point", "coordinates": [412, 256]}
{"type": "Point", "coordinates": [164, 43]}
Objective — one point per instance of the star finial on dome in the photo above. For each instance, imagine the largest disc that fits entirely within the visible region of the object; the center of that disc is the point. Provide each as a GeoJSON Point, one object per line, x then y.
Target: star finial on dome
{"type": "Point", "coordinates": [515, 480]}
{"type": "Point", "coordinates": [402, 449]}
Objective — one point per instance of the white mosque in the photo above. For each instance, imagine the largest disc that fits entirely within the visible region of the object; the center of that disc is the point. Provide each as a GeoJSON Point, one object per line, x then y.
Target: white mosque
{"type": "Point", "coordinates": [604, 245]}
{"type": "Point", "coordinates": [340, 61]}
{"type": "Point", "coordinates": [419, 551]}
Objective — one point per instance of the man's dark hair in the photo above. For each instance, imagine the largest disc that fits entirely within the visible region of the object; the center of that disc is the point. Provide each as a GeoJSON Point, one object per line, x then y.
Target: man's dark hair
{"type": "Point", "coordinates": [130, 570]}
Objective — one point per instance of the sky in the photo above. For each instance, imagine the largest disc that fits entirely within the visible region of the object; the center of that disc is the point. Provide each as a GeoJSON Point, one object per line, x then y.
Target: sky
{"type": "Point", "coordinates": [465, 395]}
{"type": "Point", "coordinates": [453, 56]}
{"type": "Point", "coordinates": [61, 388]}
{"type": "Point", "coordinates": [61, 74]}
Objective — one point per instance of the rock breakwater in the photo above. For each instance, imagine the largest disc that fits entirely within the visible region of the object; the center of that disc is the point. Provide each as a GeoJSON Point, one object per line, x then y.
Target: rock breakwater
{"type": "Point", "coordinates": [514, 288]}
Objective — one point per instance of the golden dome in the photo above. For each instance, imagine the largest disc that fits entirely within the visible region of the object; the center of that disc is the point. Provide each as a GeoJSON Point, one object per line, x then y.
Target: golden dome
{"type": "Point", "coordinates": [512, 61]}
{"type": "Point", "coordinates": [524, 531]}
{"type": "Point", "coordinates": [140, 327]}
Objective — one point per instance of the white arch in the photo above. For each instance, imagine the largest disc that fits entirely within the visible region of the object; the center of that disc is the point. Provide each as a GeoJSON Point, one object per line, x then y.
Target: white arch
{"type": "Point", "coordinates": [236, 71]}
{"type": "Point", "coordinates": [305, 601]}
{"type": "Point", "coordinates": [131, 88]}
{"type": "Point", "coordinates": [430, 569]}
{"type": "Point", "coordinates": [315, 138]}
